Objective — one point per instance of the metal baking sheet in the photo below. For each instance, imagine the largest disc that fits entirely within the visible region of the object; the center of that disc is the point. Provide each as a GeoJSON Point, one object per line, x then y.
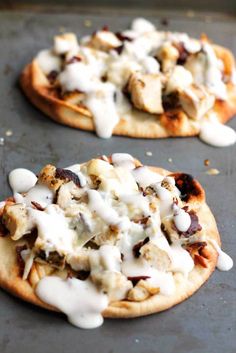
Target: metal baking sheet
{"type": "Point", "coordinates": [206, 322]}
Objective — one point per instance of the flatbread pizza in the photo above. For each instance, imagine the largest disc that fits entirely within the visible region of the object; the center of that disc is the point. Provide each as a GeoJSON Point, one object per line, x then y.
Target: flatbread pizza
{"type": "Point", "coordinates": [106, 238]}
{"type": "Point", "coordinates": [139, 83]}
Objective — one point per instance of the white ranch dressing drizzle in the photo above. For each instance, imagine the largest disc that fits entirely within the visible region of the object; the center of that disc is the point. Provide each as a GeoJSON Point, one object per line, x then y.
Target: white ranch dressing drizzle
{"type": "Point", "coordinates": [21, 179]}
{"type": "Point", "coordinates": [216, 134]}
{"type": "Point", "coordinates": [79, 300]}
{"type": "Point", "coordinates": [48, 61]}
{"type": "Point", "coordinates": [145, 177]}
{"type": "Point", "coordinates": [166, 200]}
{"type": "Point", "coordinates": [224, 261]}
{"type": "Point", "coordinates": [123, 160]}
{"type": "Point", "coordinates": [39, 193]}
{"type": "Point", "coordinates": [181, 218]}
{"type": "Point", "coordinates": [75, 168]}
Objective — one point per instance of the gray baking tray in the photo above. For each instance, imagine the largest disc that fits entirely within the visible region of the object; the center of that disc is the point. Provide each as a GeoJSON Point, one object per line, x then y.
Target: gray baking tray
{"type": "Point", "coordinates": [206, 322]}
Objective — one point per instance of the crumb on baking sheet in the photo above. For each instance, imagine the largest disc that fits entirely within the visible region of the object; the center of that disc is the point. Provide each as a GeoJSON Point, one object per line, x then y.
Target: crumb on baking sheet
{"type": "Point", "coordinates": [212, 171]}
{"type": "Point", "coordinates": [164, 22]}
{"type": "Point", "coordinates": [2, 141]}
{"type": "Point", "coordinates": [148, 153]}
{"type": "Point", "coordinates": [190, 14]}
{"type": "Point", "coordinates": [207, 162]}
{"type": "Point", "coordinates": [170, 160]}
{"type": "Point", "coordinates": [62, 29]}
{"type": "Point", "coordinates": [9, 133]}
{"type": "Point", "coordinates": [87, 23]}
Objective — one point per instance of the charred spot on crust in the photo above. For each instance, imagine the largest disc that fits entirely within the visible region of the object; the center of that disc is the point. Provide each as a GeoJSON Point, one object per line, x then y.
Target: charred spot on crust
{"type": "Point", "coordinates": [20, 261]}
{"type": "Point", "coordinates": [68, 175]}
{"type": "Point", "coordinates": [187, 186]}
{"type": "Point", "coordinates": [3, 230]}
{"type": "Point", "coordinates": [137, 247]}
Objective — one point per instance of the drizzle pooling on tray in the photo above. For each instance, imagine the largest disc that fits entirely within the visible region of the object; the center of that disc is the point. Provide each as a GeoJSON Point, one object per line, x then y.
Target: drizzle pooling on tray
{"type": "Point", "coordinates": [137, 71]}
{"type": "Point", "coordinates": [109, 230]}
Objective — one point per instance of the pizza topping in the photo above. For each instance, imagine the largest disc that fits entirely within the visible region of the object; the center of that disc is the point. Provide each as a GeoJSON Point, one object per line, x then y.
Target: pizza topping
{"type": "Point", "coordinates": [145, 91]}
{"type": "Point", "coordinates": [109, 74]}
{"type": "Point", "coordinates": [216, 134]}
{"type": "Point", "coordinates": [124, 226]}
{"type": "Point", "coordinates": [224, 261]}
{"type": "Point", "coordinates": [21, 180]}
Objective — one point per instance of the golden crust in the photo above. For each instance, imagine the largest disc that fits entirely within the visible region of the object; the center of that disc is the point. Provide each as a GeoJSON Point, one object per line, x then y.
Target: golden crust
{"type": "Point", "coordinates": [141, 125]}
{"type": "Point", "coordinates": [11, 280]}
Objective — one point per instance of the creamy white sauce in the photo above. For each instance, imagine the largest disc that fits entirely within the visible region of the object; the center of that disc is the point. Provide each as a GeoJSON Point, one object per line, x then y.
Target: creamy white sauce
{"type": "Point", "coordinates": [123, 160]}
{"type": "Point", "coordinates": [145, 177]}
{"type": "Point", "coordinates": [75, 168]}
{"type": "Point", "coordinates": [166, 200]}
{"type": "Point", "coordinates": [21, 180]}
{"type": "Point", "coordinates": [79, 300]}
{"type": "Point", "coordinates": [48, 61]}
{"type": "Point", "coordinates": [216, 134]}
{"type": "Point", "coordinates": [141, 25]}
{"type": "Point", "coordinates": [181, 218]}
{"type": "Point", "coordinates": [224, 261]}
{"type": "Point", "coordinates": [39, 193]}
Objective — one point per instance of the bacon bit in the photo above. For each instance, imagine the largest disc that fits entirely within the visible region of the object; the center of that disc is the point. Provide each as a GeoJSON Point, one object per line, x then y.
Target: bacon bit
{"type": "Point", "coordinates": [37, 206]}
{"type": "Point", "coordinates": [74, 59]}
{"type": "Point", "coordinates": [171, 101]}
{"type": "Point", "coordinates": [122, 37]}
{"type": "Point", "coordinates": [183, 53]}
{"type": "Point", "coordinates": [206, 162]}
{"type": "Point", "coordinates": [200, 260]}
{"type": "Point", "coordinates": [105, 28]}
{"type": "Point", "coordinates": [83, 275]}
{"type": "Point", "coordinates": [205, 253]}
{"type": "Point", "coordinates": [137, 247]}
{"type": "Point", "coordinates": [119, 49]}
{"type": "Point", "coordinates": [20, 261]}
{"type": "Point", "coordinates": [194, 226]}
{"type": "Point", "coordinates": [52, 76]}
{"type": "Point", "coordinates": [67, 175]}
{"type": "Point", "coordinates": [3, 230]}
{"type": "Point", "coordinates": [164, 22]}
{"type": "Point", "coordinates": [136, 279]}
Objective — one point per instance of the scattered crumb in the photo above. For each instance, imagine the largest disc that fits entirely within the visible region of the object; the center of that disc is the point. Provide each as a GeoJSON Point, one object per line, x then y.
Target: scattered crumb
{"type": "Point", "coordinates": [170, 160]}
{"type": "Point", "coordinates": [2, 141]}
{"type": "Point", "coordinates": [87, 23]}
{"type": "Point", "coordinates": [9, 133]}
{"type": "Point", "coordinates": [148, 153]}
{"type": "Point", "coordinates": [207, 162]}
{"type": "Point", "coordinates": [62, 29]}
{"type": "Point", "coordinates": [137, 340]}
{"type": "Point", "coordinates": [213, 171]}
{"type": "Point", "coordinates": [190, 13]}
{"type": "Point", "coordinates": [105, 158]}
{"type": "Point", "coordinates": [164, 22]}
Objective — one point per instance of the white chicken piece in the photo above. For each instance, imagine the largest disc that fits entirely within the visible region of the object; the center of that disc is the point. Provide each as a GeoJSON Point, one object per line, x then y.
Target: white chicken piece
{"type": "Point", "coordinates": [168, 56]}
{"type": "Point", "coordinates": [179, 79]}
{"type": "Point", "coordinates": [146, 92]}
{"type": "Point", "coordinates": [196, 101]}
{"type": "Point", "coordinates": [104, 40]}
{"type": "Point", "coordinates": [16, 220]}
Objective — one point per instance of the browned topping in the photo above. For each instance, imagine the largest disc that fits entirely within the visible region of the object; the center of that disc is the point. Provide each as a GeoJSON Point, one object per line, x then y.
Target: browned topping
{"type": "Point", "coordinates": [37, 206]}
{"type": "Point", "coordinates": [186, 185]}
{"type": "Point", "coordinates": [199, 253]}
{"type": "Point", "coordinates": [119, 49]}
{"type": "Point", "coordinates": [68, 175]}
{"type": "Point", "coordinates": [135, 279]}
{"type": "Point", "coordinates": [206, 162]}
{"type": "Point", "coordinates": [53, 258]}
{"type": "Point", "coordinates": [194, 226]}
{"type": "Point", "coordinates": [183, 53]}
{"type": "Point", "coordinates": [20, 261]}
{"type": "Point", "coordinates": [83, 275]}
{"type": "Point", "coordinates": [74, 59]}
{"type": "Point", "coordinates": [171, 101]}
{"type": "Point", "coordinates": [142, 220]}
{"type": "Point", "coordinates": [137, 247]}
{"type": "Point", "coordinates": [3, 230]}
{"type": "Point", "coordinates": [52, 76]}
{"type": "Point", "coordinates": [105, 28]}
{"type": "Point", "coordinates": [122, 37]}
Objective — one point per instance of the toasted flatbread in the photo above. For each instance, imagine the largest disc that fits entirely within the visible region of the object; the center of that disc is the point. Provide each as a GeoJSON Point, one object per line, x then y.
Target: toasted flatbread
{"type": "Point", "coordinates": [194, 196]}
{"type": "Point", "coordinates": [140, 121]}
